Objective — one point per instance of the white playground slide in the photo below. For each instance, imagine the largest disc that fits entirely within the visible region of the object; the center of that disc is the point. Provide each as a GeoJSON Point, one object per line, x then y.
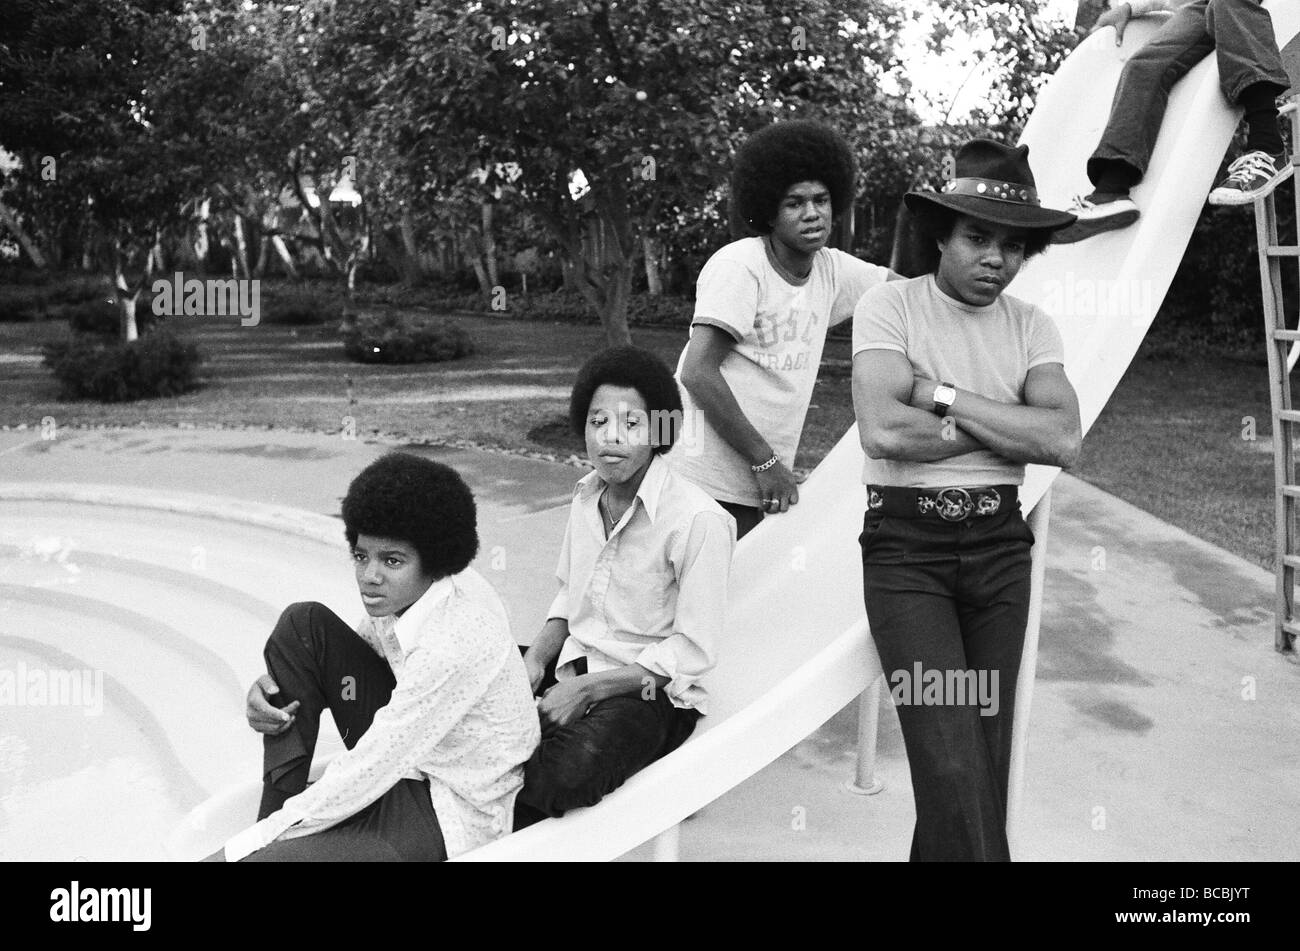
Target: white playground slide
{"type": "Point", "coordinates": [797, 649]}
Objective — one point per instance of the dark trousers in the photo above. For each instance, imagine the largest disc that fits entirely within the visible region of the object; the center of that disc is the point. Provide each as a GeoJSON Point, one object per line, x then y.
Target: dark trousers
{"type": "Point", "coordinates": [953, 596]}
{"type": "Point", "coordinates": [581, 763]}
{"type": "Point", "coordinates": [1238, 32]}
{"type": "Point", "coordinates": [747, 517]}
{"type": "Point", "coordinates": [317, 659]}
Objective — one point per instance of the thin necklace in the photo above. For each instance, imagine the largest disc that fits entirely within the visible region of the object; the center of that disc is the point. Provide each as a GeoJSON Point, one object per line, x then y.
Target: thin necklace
{"type": "Point", "coordinates": [607, 512]}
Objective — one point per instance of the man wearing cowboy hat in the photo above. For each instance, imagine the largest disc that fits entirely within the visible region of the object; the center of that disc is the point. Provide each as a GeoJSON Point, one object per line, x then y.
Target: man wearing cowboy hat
{"type": "Point", "coordinates": [957, 386]}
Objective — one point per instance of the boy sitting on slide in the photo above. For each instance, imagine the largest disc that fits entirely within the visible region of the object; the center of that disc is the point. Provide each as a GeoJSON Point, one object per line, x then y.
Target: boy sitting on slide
{"type": "Point", "coordinates": [1240, 33]}
{"type": "Point", "coordinates": [429, 692]}
{"type": "Point", "coordinates": [643, 576]}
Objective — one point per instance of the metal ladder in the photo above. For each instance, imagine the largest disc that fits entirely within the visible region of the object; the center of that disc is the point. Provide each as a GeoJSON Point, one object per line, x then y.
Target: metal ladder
{"type": "Point", "coordinates": [1280, 364]}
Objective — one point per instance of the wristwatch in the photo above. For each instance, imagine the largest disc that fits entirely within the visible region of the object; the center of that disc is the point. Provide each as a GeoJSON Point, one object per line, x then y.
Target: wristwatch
{"type": "Point", "coordinates": [944, 394]}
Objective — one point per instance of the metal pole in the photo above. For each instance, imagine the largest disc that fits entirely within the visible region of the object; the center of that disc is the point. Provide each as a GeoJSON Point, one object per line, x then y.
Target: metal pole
{"type": "Point", "coordinates": [1039, 522]}
{"type": "Point", "coordinates": [864, 782]}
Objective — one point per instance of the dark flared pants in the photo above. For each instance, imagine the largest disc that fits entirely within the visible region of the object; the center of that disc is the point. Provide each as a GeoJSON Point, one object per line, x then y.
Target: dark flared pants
{"type": "Point", "coordinates": [953, 596]}
{"type": "Point", "coordinates": [317, 659]}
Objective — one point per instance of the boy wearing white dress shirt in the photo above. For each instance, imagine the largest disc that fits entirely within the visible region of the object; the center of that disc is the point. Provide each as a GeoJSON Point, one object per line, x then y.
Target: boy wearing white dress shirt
{"type": "Point", "coordinates": [643, 574]}
{"type": "Point", "coordinates": [429, 692]}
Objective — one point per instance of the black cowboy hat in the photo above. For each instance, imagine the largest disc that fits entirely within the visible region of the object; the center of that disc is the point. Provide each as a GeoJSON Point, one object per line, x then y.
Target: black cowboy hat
{"type": "Point", "coordinates": [993, 183]}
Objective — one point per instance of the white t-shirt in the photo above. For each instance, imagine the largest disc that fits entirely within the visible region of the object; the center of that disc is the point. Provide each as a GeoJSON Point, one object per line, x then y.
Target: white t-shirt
{"type": "Point", "coordinates": [986, 350]}
{"type": "Point", "coordinates": [780, 330]}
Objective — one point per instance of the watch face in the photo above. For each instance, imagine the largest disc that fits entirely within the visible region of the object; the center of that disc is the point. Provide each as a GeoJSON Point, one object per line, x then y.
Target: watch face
{"type": "Point", "coordinates": [944, 395]}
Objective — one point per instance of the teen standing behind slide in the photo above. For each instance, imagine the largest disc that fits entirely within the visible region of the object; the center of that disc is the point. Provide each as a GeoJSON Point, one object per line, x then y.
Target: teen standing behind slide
{"type": "Point", "coordinates": [762, 309]}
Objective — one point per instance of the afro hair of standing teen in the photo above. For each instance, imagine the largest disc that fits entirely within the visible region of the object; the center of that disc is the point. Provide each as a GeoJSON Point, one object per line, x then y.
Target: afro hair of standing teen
{"type": "Point", "coordinates": [784, 154]}
{"type": "Point", "coordinates": [418, 501]}
{"type": "Point", "coordinates": [638, 370]}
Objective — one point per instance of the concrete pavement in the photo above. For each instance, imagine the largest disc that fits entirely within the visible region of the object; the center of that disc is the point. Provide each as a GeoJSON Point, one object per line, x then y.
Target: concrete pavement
{"type": "Point", "coordinates": [1163, 721]}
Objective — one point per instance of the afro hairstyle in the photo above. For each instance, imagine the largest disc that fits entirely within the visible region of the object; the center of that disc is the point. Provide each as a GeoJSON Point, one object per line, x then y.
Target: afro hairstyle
{"type": "Point", "coordinates": [931, 225]}
{"type": "Point", "coordinates": [639, 370]}
{"type": "Point", "coordinates": [784, 154]}
{"type": "Point", "coordinates": [416, 500]}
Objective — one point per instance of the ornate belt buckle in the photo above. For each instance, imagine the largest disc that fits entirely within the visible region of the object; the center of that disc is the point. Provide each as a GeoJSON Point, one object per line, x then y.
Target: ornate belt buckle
{"type": "Point", "coordinates": [989, 502]}
{"type": "Point", "coordinates": [953, 504]}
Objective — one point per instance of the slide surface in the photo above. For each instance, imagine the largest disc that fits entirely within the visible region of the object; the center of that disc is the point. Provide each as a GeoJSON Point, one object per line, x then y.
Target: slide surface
{"type": "Point", "coordinates": [797, 649]}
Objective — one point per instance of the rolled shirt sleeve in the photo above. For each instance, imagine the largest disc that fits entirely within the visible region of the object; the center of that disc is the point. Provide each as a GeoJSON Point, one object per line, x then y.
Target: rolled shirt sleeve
{"type": "Point", "coordinates": [443, 678]}
{"type": "Point", "coordinates": [701, 562]}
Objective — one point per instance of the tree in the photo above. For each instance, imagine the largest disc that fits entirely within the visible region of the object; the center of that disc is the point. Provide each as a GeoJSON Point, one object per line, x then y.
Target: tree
{"type": "Point", "coordinates": [122, 112]}
{"type": "Point", "coordinates": [1027, 45]}
{"type": "Point", "coordinates": [623, 117]}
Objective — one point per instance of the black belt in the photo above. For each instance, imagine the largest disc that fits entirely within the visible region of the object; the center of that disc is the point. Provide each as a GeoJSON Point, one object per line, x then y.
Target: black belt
{"type": "Point", "coordinates": [951, 504]}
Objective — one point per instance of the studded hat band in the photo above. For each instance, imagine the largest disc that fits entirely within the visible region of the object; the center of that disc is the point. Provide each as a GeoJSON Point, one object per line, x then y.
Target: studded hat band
{"type": "Point", "coordinates": [993, 190]}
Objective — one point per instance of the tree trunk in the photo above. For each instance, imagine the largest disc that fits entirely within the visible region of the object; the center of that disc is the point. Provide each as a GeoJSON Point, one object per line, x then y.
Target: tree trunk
{"type": "Point", "coordinates": [615, 316]}
{"type": "Point", "coordinates": [263, 257]}
{"type": "Point", "coordinates": [157, 263]}
{"type": "Point", "coordinates": [618, 246]}
{"type": "Point", "coordinates": [125, 298]}
{"type": "Point", "coordinates": [476, 261]}
{"type": "Point", "coordinates": [130, 330]}
{"type": "Point", "coordinates": [202, 238]}
{"type": "Point", "coordinates": [7, 218]}
{"type": "Point", "coordinates": [240, 264]}
{"type": "Point", "coordinates": [282, 249]}
{"type": "Point", "coordinates": [652, 249]}
{"type": "Point", "coordinates": [331, 240]}
{"type": "Point", "coordinates": [567, 272]}
{"type": "Point", "coordinates": [489, 243]}
{"type": "Point", "coordinates": [412, 272]}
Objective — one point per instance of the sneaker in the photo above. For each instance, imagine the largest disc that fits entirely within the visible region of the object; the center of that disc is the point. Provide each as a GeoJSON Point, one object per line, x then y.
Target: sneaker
{"type": "Point", "coordinates": [1097, 213]}
{"type": "Point", "coordinates": [1252, 177]}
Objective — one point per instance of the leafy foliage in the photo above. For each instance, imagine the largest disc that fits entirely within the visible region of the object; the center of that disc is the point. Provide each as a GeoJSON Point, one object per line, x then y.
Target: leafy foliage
{"type": "Point", "coordinates": [301, 306]}
{"type": "Point", "coordinates": [393, 338]}
{"type": "Point", "coordinates": [642, 103]}
{"type": "Point", "coordinates": [158, 364]}
{"type": "Point", "coordinates": [1027, 46]}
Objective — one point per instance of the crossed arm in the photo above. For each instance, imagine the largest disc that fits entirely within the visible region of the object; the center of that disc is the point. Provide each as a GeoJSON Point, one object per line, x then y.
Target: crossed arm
{"type": "Point", "coordinates": [893, 405]}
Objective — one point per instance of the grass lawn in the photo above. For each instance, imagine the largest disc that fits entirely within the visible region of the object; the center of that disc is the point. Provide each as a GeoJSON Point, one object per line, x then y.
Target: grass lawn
{"type": "Point", "coordinates": [1170, 440]}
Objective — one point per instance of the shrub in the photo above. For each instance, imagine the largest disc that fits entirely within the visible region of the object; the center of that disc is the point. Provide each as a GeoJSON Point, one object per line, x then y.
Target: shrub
{"type": "Point", "coordinates": [102, 317]}
{"type": "Point", "coordinates": [301, 306]}
{"type": "Point", "coordinates": [40, 295]}
{"type": "Point", "coordinates": [392, 338]}
{"type": "Point", "coordinates": [378, 272]}
{"type": "Point", "coordinates": [99, 315]}
{"type": "Point", "coordinates": [24, 304]}
{"type": "Point", "coordinates": [155, 365]}
{"type": "Point", "coordinates": [666, 310]}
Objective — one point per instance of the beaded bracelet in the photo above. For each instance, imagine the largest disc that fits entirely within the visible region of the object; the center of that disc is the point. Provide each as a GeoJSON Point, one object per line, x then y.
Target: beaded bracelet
{"type": "Point", "coordinates": [767, 465]}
